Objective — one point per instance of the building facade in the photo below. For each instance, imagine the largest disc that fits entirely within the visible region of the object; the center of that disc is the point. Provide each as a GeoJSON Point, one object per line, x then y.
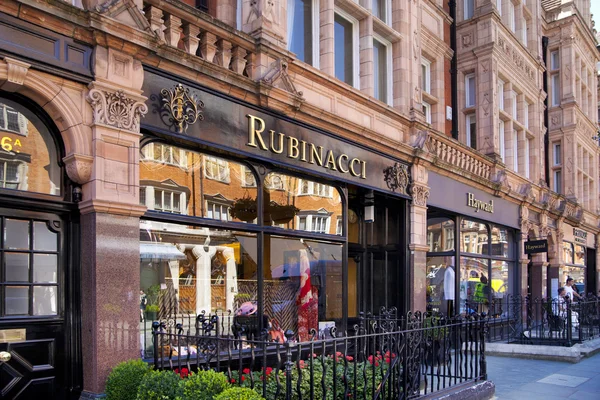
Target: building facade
{"type": "Point", "coordinates": [315, 158]}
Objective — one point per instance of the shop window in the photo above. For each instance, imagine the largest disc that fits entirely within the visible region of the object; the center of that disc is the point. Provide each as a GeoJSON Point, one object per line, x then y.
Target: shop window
{"type": "Point", "coordinates": [206, 178]}
{"type": "Point", "coordinates": [441, 277]}
{"type": "Point", "coordinates": [579, 255]}
{"type": "Point", "coordinates": [440, 234]}
{"type": "Point", "coordinates": [502, 242]}
{"type": "Point", "coordinates": [568, 253]}
{"type": "Point", "coordinates": [216, 168]}
{"type": "Point", "coordinates": [501, 285]}
{"type": "Point", "coordinates": [474, 285]}
{"type": "Point", "coordinates": [12, 120]}
{"type": "Point", "coordinates": [28, 155]}
{"type": "Point", "coordinates": [303, 22]}
{"type": "Point", "coordinates": [346, 48]}
{"type": "Point", "coordinates": [473, 237]}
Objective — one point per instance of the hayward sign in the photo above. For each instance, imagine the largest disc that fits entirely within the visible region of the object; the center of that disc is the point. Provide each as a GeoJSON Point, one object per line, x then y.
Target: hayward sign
{"type": "Point", "coordinates": [480, 205]}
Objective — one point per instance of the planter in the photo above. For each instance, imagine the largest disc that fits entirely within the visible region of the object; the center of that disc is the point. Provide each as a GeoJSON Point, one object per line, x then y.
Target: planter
{"type": "Point", "coordinates": [282, 214]}
{"type": "Point", "coordinates": [151, 315]}
{"type": "Point", "coordinates": [244, 209]}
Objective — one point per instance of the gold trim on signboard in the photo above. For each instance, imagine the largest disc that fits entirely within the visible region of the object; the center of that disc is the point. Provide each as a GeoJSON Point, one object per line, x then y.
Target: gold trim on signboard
{"type": "Point", "coordinates": [12, 335]}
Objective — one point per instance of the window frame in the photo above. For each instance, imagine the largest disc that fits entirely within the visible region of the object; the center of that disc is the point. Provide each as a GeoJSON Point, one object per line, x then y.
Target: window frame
{"type": "Point", "coordinates": [469, 9]}
{"type": "Point", "coordinates": [557, 181]}
{"type": "Point", "coordinates": [500, 94]}
{"type": "Point", "coordinates": [555, 87]}
{"type": "Point", "coordinates": [314, 25]}
{"type": "Point", "coordinates": [426, 75]}
{"type": "Point", "coordinates": [557, 154]}
{"type": "Point", "coordinates": [226, 178]}
{"type": "Point", "coordinates": [389, 84]}
{"type": "Point", "coordinates": [501, 139]}
{"type": "Point", "coordinates": [468, 101]}
{"type": "Point", "coordinates": [469, 141]}
{"type": "Point", "coordinates": [427, 111]}
{"type": "Point", "coordinates": [355, 46]}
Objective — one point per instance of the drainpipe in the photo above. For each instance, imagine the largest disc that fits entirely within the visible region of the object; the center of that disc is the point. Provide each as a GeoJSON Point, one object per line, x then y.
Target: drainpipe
{"type": "Point", "coordinates": [546, 135]}
{"type": "Point", "coordinates": [453, 70]}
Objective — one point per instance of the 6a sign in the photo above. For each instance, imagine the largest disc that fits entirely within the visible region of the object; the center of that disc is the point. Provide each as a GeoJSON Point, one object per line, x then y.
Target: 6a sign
{"type": "Point", "coordinates": [8, 144]}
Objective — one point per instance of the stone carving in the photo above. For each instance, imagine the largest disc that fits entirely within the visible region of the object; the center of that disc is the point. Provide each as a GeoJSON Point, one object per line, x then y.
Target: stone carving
{"type": "Point", "coordinates": [254, 13]}
{"type": "Point", "coordinates": [279, 72]}
{"type": "Point", "coordinates": [79, 167]}
{"type": "Point", "coordinates": [555, 120]}
{"type": "Point", "coordinates": [516, 58]}
{"type": "Point", "coordinates": [420, 194]}
{"type": "Point", "coordinates": [416, 45]}
{"type": "Point", "coordinates": [500, 182]}
{"type": "Point", "coordinates": [397, 177]}
{"type": "Point", "coordinates": [569, 164]}
{"type": "Point", "coordinates": [17, 71]}
{"type": "Point", "coordinates": [485, 104]}
{"type": "Point", "coordinates": [180, 107]}
{"type": "Point", "coordinates": [526, 191]}
{"type": "Point", "coordinates": [421, 139]}
{"type": "Point", "coordinates": [116, 109]}
{"type": "Point", "coordinates": [269, 12]}
{"type": "Point", "coordinates": [485, 66]}
{"type": "Point", "coordinates": [467, 40]}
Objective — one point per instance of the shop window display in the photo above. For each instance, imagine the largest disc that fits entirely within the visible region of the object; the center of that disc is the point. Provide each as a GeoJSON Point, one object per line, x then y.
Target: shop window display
{"type": "Point", "coordinates": [574, 259]}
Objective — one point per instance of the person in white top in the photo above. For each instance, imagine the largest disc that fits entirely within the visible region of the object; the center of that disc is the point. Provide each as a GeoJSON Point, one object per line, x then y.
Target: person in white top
{"type": "Point", "coordinates": [569, 292]}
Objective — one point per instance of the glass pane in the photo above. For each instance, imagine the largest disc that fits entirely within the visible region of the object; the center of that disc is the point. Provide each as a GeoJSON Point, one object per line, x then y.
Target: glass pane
{"type": "Point", "coordinates": [473, 237]}
{"type": "Point", "coordinates": [188, 270]}
{"type": "Point", "coordinates": [441, 277]}
{"type": "Point", "coordinates": [300, 28]}
{"type": "Point", "coordinates": [16, 234]}
{"type": "Point", "coordinates": [16, 267]}
{"type": "Point", "coordinates": [44, 300]}
{"type": "Point", "coordinates": [43, 238]}
{"type": "Point", "coordinates": [502, 285]}
{"type": "Point", "coordinates": [303, 285]}
{"type": "Point", "coordinates": [579, 255]}
{"type": "Point", "coordinates": [440, 234]}
{"type": "Point", "coordinates": [301, 204]}
{"type": "Point", "coordinates": [380, 70]}
{"type": "Point", "coordinates": [474, 289]}
{"type": "Point", "coordinates": [568, 252]}
{"type": "Point", "coordinates": [45, 268]}
{"type": "Point", "coordinates": [343, 43]}
{"type": "Point", "coordinates": [16, 300]}
{"type": "Point", "coordinates": [578, 275]}
{"type": "Point", "coordinates": [502, 242]}
{"type": "Point", "coordinates": [39, 170]}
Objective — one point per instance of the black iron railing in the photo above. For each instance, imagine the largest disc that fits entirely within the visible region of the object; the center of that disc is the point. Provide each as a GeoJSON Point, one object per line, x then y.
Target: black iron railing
{"type": "Point", "coordinates": [554, 322]}
{"type": "Point", "coordinates": [375, 361]}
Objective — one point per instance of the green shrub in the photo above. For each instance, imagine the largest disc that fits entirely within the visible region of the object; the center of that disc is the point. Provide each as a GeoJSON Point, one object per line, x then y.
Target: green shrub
{"type": "Point", "coordinates": [239, 393]}
{"type": "Point", "coordinates": [152, 308]}
{"type": "Point", "coordinates": [204, 385]}
{"type": "Point", "coordinates": [124, 380]}
{"type": "Point", "coordinates": [160, 385]}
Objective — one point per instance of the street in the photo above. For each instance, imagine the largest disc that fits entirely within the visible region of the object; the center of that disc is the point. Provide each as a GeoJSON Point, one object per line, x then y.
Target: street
{"type": "Point", "coordinates": [537, 379]}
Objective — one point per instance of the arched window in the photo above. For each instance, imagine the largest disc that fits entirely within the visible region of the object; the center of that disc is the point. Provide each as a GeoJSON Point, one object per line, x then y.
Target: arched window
{"type": "Point", "coordinates": [28, 153]}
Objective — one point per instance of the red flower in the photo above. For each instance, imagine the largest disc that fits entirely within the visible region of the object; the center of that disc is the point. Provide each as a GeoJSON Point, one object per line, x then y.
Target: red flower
{"type": "Point", "coordinates": [246, 371]}
{"type": "Point", "coordinates": [301, 364]}
{"type": "Point", "coordinates": [376, 364]}
{"type": "Point", "coordinates": [269, 370]}
{"type": "Point", "coordinates": [349, 358]}
{"type": "Point", "coordinates": [232, 380]}
{"type": "Point", "coordinates": [243, 378]}
{"type": "Point", "coordinates": [314, 355]}
{"type": "Point", "coordinates": [370, 359]}
{"type": "Point", "coordinates": [387, 360]}
{"type": "Point", "coordinates": [338, 353]}
{"type": "Point", "coordinates": [183, 373]}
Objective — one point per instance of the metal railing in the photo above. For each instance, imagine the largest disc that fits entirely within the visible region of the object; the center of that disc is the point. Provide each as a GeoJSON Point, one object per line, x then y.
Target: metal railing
{"type": "Point", "coordinates": [554, 322]}
{"type": "Point", "coordinates": [434, 354]}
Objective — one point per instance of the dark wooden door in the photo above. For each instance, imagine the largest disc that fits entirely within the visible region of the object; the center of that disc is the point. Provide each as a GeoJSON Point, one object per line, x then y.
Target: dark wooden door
{"type": "Point", "coordinates": [32, 305]}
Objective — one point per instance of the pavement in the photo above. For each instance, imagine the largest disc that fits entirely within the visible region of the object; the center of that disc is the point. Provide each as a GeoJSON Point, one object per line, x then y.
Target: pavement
{"type": "Point", "coordinates": [531, 379]}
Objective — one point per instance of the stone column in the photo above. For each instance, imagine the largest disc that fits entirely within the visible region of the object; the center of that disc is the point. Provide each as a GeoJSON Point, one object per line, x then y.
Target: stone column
{"type": "Point", "coordinates": [110, 209]}
{"type": "Point", "coordinates": [326, 40]}
{"type": "Point", "coordinates": [418, 239]}
{"type": "Point", "coordinates": [366, 56]}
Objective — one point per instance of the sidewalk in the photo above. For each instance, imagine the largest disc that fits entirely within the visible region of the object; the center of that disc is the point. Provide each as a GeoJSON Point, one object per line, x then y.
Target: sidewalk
{"type": "Point", "coordinates": [517, 378]}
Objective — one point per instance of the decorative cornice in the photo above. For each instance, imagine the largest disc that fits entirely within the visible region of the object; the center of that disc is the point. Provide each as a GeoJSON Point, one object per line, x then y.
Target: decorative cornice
{"type": "Point", "coordinates": [17, 72]}
{"type": "Point", "coordinates": [116, 108]}
{"type": "Point", "coordinates": [109, 207]}
{"type": "Point", "coordinates": [79, 167]}
{"type": "Point", "coordinates": [279, 72]}
{"type": "Point", "coordinates": [397, 178]}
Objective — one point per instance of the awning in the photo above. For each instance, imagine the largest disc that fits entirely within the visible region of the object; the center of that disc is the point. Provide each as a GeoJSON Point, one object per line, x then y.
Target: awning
{"type": "Point", "coordinates": [162, 251]}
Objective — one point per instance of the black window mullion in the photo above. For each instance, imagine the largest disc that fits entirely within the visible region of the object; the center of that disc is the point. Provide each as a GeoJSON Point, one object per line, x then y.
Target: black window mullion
{"type": "Point", "coordinates": [2, 269]}
{"type": "Point", "coordinates": [31, 246]}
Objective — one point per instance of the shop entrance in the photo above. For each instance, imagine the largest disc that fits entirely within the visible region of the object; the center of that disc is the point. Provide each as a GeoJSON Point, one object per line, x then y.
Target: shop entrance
{"type": "Point", "coordinates": [32, 324]}
{"type": "Point", "coordinates": [377, 258]}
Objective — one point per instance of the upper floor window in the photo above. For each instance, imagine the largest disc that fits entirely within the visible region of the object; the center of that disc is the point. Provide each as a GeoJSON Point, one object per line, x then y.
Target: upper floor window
{"type": "Point", "coordinates": [556, 154]}
{"type": "Point", "coordinates": [12, 121]}
{"type": "Point", "coordinates": [382, 58]}
{"type": "Point", "coordinates": [469, 8]}
{"type": "Point", "coordinates": [379, 9]}
{"type": "Point", "coordinates": [346, 48]}
{"type": "Point", "coordinates": [167, 201]}
{"type": "Point", "coordinates": [502, 140]}
{"type": "Point", "coordinates": [512, 18]}
{"type": "Point", "coordinates": [303, 17]}
{"type": "Point", "coordinates": [471, 131]}
{"type": "Point", "coordinates": [426, 75]}
{"type": "Point", "coordinates": [500, 94]}
{"type": "Point", "coordinates": [9, 174]}
{"type": "Point", "coordinates": [470, 90]}
{"type": "Point", "coordinates": [216, 168]}
{"type": "Point", "coordinates": [218, 211]}
{"type": "Point", "coordinates": [165, 154]}
{"type": "Point", "coordinates": [314, 223]}
{"type": "Point", "coordinates": [554, 60]}
{"type": "Point", "coordinates": [555, 82]}
{"type": "Point", "coordinates": [315, 188]}
{"type": "Point", "coordinates": [499, 6]}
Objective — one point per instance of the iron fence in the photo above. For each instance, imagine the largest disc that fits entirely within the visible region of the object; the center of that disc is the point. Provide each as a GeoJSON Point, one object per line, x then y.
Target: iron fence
{"type": "Point", "coordinates": [554, 322]}
{"type": "Point", "coordinates": [377, 360]}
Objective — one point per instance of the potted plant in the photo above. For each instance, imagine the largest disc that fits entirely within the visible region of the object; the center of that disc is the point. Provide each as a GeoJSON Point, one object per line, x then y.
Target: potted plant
{"type": "Point", "coordinates": [436, 340]}
{"type": "Point", "coordinates": [282, 214]}
{"type": "Point", "coordinates": [244, 209]}
{"type": "Point", "coordinates": [151, 312]}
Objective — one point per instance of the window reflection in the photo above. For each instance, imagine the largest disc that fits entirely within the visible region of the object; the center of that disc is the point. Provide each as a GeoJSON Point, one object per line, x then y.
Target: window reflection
{"type": "Point", "coordinates": [301, 204]}
{"type": "Point", "coordinates": [474, 285]}
{"type": "Point", "coordinates": [178, 181]}
{"type": "Point", "coordinates": [440, 234]}
{"type": "Point", "coordinates": [502, 242]}
{"type": "Point", "coordinates": [579, 255]}
{"type": "Point", "coordinates": [567, 252]}
{"type": "Point", "coordinates": [473, 237]}
{"type": "Point", "coordinates": [28, 156]}
{"type": "Point", "coordinates": [441, 275]}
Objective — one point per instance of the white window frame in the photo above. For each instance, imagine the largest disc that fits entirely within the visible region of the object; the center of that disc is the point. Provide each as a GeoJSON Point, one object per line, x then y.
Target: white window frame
{"type": "Point", "coordinates": [315, 26]}
{"type": "Point", "coordinates": [172, 194]}
{"type": "Point", "coordinates": [500, 94]}
{"type": "Point", "coordinates": [210, 210]}
{"type": "Point", "coordinates": [218, 161]}
{"type": "Point", "coordinates": [311, 219]}
{"type": "Point", "coordinates": [355, 46]}
{"type": "Point", "coordinates": [313, 188]}
{"type": "Point", "coordinates": [499, 6]}
{"type": "Point", "coordinates": [427, 111]}
{"type": "Point", "coordinates": [4, 165]}
{"type": "Point", "coordinates": [555, 83]}
{"type": "Point", "coordinates": [527, 149]}
{"type": "Point", "coordinates": [554, 60]}
{"type": "Point", "coordinates": [468, 118]}
{"type": "Point", "coordinates": [557, 178]}
{"type": "Point", "coordinates": [427, 64]}
{"type": "Point", "coordinates": [238, 15]}
{"type": "Point", "coordinates": [501, 140]}
{"type": "Point", "coordinates": [469, 9]}
{"type": "Point", "coordinates": [244, 171]}
{"type": "Point", "coordinates": [148, 154]}
{"type": "Point", "coordinates": [557, 154]}
{"type": "Point", "coordinates": [389, 84]}
{"type": "Point", "coordinates": [515, 105]}
{"type": "Point", "coordinates": [387, 11]}
{"type": "Point", "coordinates": [468, 101]}
{"type": "Point", "coordinates": [21, 120]}
{"type": "Point", "coordinates": [524, 37]}
{"type": "Point", "coordinates": [526, 114]}
{"type": "Point", "coordinates": [512, 19]}
{"type": "Point", "coordinates": [515, 149]}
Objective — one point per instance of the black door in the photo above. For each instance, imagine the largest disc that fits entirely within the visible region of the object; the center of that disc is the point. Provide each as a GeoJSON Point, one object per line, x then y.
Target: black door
{"type": "Point", "coordinates": [33, 353]}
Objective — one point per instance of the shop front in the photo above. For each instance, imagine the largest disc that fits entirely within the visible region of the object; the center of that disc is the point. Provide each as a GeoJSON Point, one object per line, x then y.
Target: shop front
{"type": "Point", "coordinates": [254, 216]}
{"type": "Point", "coordinates": [472, 257]}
